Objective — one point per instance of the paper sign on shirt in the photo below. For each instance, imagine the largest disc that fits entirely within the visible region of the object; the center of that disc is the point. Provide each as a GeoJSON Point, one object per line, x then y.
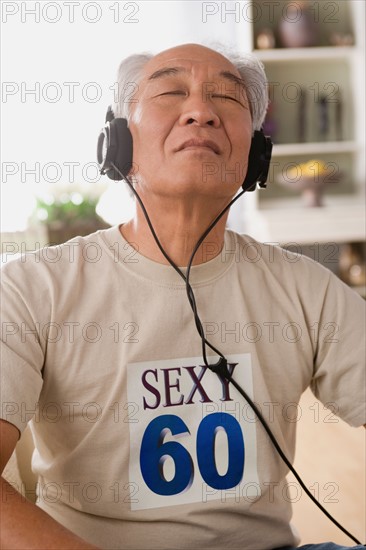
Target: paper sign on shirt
{"type": "Point", "coordinates": [194, 441]}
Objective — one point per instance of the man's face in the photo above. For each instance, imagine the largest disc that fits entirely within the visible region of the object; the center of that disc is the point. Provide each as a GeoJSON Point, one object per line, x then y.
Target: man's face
{"type": "Point", "coordinates": [191, 124]}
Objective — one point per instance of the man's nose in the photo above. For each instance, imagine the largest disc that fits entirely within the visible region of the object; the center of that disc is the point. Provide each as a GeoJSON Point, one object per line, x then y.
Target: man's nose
{"type": "Point", "coordinates": [199, 111]}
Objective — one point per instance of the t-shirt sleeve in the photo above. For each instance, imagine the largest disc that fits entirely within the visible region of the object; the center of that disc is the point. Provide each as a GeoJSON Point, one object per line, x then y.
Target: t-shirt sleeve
{"type": "Point", "coordinates": [22, 354]}
{"type": "Point", "coordinates": [339, 379]}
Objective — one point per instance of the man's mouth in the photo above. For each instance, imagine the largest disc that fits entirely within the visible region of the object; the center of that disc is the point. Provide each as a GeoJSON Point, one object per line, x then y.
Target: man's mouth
{"type": "Point", "coordinates": [202, 143]}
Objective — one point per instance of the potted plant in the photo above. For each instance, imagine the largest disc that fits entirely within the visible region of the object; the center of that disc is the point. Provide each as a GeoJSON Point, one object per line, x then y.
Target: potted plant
{"type": "Point", "coordinates": [68, 212]}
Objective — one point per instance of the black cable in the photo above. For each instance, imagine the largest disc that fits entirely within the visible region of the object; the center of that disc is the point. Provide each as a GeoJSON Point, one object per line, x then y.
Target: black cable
{"type": "Point", "coordinates": [285, 459]}
{"type": "Point", "coordinates": [220, 368]}
{"type": "Point", "coordinates": [188, 286]}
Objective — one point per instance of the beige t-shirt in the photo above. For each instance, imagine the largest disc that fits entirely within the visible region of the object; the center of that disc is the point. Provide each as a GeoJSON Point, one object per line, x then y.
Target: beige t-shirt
{"type": "Point", "coordinates": [138, 444]}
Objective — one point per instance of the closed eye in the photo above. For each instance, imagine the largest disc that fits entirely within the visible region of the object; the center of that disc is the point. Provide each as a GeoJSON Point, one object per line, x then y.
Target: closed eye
{"type": "Point", "coordinates": [180, 92]}
{"type": "Point", "coordinates": [226, 97]}
{"type": "Point", "coordinates": [175, 92]}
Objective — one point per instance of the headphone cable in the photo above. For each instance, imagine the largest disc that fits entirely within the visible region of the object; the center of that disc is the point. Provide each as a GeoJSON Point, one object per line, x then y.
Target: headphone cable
{"type": "Point", "coordinates": [220, 368]}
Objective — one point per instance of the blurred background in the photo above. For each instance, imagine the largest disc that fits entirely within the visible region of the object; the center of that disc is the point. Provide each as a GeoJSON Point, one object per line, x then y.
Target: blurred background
{"type": "Point", "coordinates": [59, 62]}
{"type": "Point", "coordinates": [59, 65]}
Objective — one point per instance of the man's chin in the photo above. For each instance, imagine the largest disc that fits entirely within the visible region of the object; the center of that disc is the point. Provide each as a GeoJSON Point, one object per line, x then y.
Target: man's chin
{"type": "Point", "coordinates": [193, 187]}
{"type": "Point", "coordinates": [209, 169]}
{"type": "Point", "coordinates": [212, 183]}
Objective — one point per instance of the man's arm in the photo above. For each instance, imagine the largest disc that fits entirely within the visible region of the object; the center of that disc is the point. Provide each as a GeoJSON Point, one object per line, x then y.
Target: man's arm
{"type": "Point", "coordinates": [23, 524]}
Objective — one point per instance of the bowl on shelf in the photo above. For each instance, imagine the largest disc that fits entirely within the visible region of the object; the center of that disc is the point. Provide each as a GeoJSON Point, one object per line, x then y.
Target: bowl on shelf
{"type": "Point", "coordinates": [311, 179]}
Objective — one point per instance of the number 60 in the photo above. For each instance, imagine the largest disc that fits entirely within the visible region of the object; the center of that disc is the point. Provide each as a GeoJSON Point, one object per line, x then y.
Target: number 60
{"type": "Point", "coordinates": [154, 453]}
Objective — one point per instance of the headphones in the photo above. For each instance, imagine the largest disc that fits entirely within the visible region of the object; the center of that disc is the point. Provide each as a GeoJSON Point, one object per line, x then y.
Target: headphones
{"type": "Point", "coordinates": [115, 146]}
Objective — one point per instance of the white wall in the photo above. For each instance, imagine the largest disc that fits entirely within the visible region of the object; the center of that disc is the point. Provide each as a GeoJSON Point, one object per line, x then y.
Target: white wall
{"type": "Point", "coordinates": [74, 49]}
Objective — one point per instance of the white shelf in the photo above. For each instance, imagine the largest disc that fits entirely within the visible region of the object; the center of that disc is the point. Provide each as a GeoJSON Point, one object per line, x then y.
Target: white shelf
{"type": "Point", "coordinates": [315, 148]}
{"type": "Point", "coordinates": [342, 219]}
{"type": "Point", "coordinates": [304, 54]}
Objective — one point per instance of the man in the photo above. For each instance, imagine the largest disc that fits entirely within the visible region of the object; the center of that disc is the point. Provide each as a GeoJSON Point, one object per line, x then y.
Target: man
{"type": "Point", "coordinates": [138, 444]}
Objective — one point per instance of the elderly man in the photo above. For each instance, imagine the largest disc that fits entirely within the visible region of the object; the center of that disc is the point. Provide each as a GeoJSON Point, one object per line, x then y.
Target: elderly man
{"type": "Point", "coordinates": [138, 443]}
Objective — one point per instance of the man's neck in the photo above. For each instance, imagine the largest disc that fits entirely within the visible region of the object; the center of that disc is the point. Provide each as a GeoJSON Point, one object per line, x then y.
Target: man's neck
{"type": "Point", "coordinates": [178, 230]}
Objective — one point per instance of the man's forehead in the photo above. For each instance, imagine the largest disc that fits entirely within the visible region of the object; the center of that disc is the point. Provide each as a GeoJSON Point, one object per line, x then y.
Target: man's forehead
{"type": "Point", "coordinates": [186, 64]}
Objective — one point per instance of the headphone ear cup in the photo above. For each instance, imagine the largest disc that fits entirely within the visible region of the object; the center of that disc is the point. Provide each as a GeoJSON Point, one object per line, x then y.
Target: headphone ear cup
{"type": "Point", "coordinates": [258, 161]}
{"type": "Point", "coordinates": [115, 146]}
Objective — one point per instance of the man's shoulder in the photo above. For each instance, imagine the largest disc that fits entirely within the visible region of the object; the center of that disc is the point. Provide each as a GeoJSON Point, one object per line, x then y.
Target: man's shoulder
{"type": "Point", "coordinates": [275, 257]}
{"type": "Point", "coordinates": [273, 266]}
{"type": "Point", "coordinates": [61, 261]}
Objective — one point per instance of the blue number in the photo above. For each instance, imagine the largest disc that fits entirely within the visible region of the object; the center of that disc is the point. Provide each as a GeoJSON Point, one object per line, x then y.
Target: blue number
{"type": "Point", "coordinates": [206, 436]}
{"type": "Point", "coordinates": [154, 452]}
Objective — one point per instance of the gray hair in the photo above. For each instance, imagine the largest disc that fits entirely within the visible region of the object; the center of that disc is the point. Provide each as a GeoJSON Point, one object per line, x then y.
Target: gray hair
{"type": "Point", "coordinates": [251, 70]}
